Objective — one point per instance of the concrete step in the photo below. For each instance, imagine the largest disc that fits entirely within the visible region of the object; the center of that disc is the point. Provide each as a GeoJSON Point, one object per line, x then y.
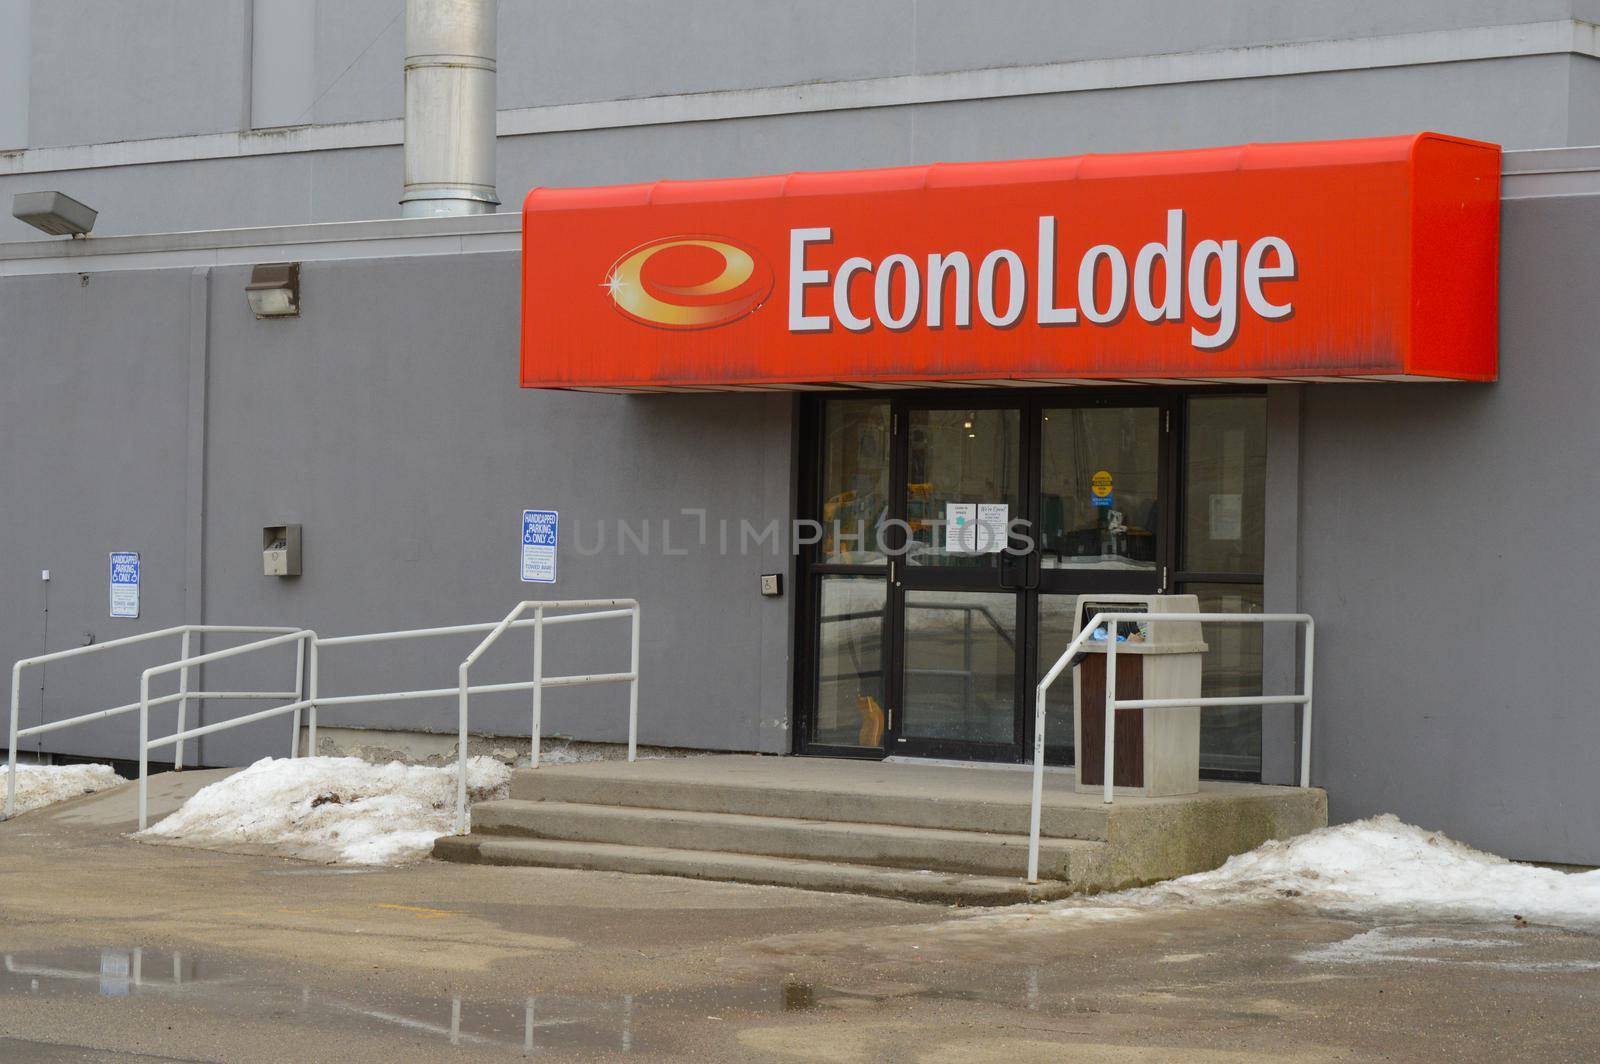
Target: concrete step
{"type": "Point", "coordinates": [888, 845]}
{"type": "Point", "coordinates": [944, 887]}
{"type": "Point", "coordinates": [945, 811]}
{"type": "Point", "coordinates": [905, 830]}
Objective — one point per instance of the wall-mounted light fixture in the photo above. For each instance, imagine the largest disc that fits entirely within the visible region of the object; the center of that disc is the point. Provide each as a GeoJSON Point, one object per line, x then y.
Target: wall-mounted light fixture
{"type": "Point", "coordinates": [274, 290]}
{"type": "Point", "coordinates": [55, 213]}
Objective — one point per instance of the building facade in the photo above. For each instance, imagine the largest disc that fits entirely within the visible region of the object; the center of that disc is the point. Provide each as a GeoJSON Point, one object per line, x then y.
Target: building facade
{"type": "Point", "coordinates": [1433, 529]}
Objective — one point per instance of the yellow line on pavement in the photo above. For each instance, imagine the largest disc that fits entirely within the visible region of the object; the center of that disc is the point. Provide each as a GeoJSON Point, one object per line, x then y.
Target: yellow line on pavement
{"type": "Point", "coordinates": [422, 912]}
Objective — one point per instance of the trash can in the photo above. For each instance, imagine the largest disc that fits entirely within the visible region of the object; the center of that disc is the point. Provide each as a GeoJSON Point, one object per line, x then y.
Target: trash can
{"type": "Point", "coordinates": [1157, 751]}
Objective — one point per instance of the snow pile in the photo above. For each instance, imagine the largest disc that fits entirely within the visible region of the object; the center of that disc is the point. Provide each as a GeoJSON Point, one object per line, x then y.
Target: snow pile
{"type": "Point", "coordinates": [41, 785]}
{"type": "Point", "coordinates": [1379, 867]}
{"type": "Point", "coordinates": [332, 809]}
{"type": "Point", "coordinates": [1383, 864]}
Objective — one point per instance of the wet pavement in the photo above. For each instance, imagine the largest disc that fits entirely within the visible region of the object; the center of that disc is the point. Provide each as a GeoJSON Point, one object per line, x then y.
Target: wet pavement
{"type": "Point", "coordinates": [232, 987]}
{"type": "Point", "coordinates": [113, 950]}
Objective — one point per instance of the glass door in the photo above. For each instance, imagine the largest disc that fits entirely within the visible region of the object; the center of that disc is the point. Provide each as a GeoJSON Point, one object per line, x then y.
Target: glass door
{"type": "Point", "coordinates": [848, 577]}
{"type": "Point", "coordinates": [957, 534]}
{"type": "Point", "coordinates": [1105, 524]}
{"type": "Point", "coordinates": [957, 595]}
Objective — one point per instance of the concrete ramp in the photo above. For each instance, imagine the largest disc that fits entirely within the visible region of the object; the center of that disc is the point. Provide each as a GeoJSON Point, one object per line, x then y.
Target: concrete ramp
{"type": "Point", "coordinates": [117, 809]}
{"type": "Point", "coordinates": [925, 832]}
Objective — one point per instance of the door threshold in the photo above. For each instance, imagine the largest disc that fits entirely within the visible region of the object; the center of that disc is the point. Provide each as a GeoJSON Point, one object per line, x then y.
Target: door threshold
{"type": "Point", "coordinates": [943, 762]}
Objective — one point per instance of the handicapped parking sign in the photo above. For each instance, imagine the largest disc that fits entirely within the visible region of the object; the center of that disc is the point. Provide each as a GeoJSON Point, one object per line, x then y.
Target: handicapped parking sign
{"type": "Point", "coordinates": [125, 584]}
{"type": "Point", "coordinates": [539, 546]}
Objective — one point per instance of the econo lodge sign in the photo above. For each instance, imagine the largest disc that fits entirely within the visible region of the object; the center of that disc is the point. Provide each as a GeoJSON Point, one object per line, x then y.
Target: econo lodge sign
{"type": "Point", "coordinates": [1372, 258]}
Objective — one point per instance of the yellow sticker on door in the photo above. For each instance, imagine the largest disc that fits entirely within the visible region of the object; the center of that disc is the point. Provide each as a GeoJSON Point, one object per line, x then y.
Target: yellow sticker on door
{"type": "Point", "coordinates": [1100, 483]}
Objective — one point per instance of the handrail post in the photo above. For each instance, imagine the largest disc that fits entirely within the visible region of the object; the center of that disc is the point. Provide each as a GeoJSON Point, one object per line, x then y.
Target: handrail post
{"type": "Point", "coordinates": [1037, 811]}
{"type": "Point", "coordinates": [537, 731]}
{"type": "Point", "coordinates": [633, 691]}
{"type": "Point", "coordinates": [1305, 717]}
{"type": "Point", "coordinates": [11, 777]}
{"type": "Point", "coordinates": [1111, 706]}
{"type": "Point", "coordinates": [311, 710]}
{"type": "Point", "coordinates": [299, 693]}
{"type": "Point", "coordinates": [461, 750]}
{"type": "Point", "coordinates": [144, 749]}
{"type": "Point", "coordinates": [183, 698]}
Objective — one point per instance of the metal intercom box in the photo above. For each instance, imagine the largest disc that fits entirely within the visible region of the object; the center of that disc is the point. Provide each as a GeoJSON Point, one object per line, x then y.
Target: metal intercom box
{"type": "Point", "coordinates": [280, 550]}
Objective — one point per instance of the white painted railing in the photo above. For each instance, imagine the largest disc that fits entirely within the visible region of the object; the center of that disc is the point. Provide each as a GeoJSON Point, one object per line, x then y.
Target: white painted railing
{"type": "Point", "coordinates": [301, 637]}
{"type": "Point", "coordinates": [306, 697]}
{"type": "Point", "coordinates": [183, 696]}
{"type": "Point", "coordinates": [1113, 703]}
{"type": "Point", "coordinates": [540, 681]}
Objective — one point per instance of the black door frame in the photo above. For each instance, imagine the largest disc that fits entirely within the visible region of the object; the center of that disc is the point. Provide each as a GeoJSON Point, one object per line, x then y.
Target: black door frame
{"type": "Point", "coordinates": [1169, 400]}
{"type": "Point", "coordinates": [1000, 577]}
{"type": "Point", "coordinates": [1168, 404]}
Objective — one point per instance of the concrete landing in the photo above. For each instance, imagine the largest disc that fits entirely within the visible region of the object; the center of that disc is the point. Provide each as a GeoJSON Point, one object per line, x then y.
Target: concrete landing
{"type": "Point", "coordinates": [925, 832]}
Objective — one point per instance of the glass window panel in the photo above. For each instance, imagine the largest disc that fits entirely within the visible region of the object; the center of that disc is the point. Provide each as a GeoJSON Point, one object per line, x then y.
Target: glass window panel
{"type": "Point", "coordinates": [1055, 632]}
{"type": "Point", "coordinates": [1225, 473]}
{"type": "Point", "coordinates": [850, 703]}
{"type": "Point", "coordinates": [855, 480]}
{"type": "Point", "coordinates": [1230, 737]}
{"type": "Point", "coordinates": [1098, 504]}
{"type": "Point", "coordinates": [960, 665]}
{"type": "Point", "coordinates": [959, 456]}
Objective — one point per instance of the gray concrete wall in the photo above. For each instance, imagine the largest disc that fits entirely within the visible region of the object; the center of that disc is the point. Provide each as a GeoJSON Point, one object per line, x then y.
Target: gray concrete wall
{"type": "Point", "coordinates": [93, 439]}
{"type": "Point", "coordinates": [387, 421]}
{"type": "Point", "coordinates": [1265, 73]}
{"type": "Point", "coordinates": [359, 53]}
{"type": "Point", "coordinates": [1475, 503]}
{"type": "Point", "coordinates": [15, 74]}
{"type": "Point", "coordinates": [1489, 100]}
{"type": "Point", "coordinates": [105, 71]}
{"type": "Point", "coordinates": [283, 52]}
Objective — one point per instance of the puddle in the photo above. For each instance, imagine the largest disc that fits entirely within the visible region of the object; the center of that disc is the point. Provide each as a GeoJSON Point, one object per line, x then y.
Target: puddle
{"type": "Point", "coordinates": [622, 1023]}
{"type": "Point", "coordinates": [110, 973]}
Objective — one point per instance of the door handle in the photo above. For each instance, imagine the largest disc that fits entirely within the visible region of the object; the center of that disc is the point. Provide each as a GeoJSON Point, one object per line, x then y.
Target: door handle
{"type": "Point", "coordinates": [1007, 561]}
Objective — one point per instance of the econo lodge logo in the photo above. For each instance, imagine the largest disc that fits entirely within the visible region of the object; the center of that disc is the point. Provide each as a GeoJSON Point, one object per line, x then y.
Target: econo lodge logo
{"type": "Point", "coordinates": [688, 282]}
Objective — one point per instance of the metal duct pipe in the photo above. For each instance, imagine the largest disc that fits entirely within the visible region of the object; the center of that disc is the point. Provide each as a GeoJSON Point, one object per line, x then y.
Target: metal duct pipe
{"type": "Point", "coordinates": [450, 108]}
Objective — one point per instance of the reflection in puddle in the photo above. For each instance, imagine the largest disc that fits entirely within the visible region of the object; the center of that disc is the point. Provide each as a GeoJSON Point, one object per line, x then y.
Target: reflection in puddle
{"type": "Point", "coordinates": [490, 1025]}
{"type": "Point", "coordinates": [552, 1021]}
{"type": "Point", "coordinates": [624, 1023]}
{"type": "Point", "coordinates": [117, 973]}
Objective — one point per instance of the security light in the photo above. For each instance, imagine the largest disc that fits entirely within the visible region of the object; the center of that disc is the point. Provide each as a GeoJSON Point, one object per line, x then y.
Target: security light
{"type": "Point", "coordinates": [55, 213]}
{"type": "Point", "coordinates": [274, 290]}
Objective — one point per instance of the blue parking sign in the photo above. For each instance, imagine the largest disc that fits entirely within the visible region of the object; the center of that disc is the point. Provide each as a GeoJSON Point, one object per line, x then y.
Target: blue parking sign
{"type": "Point", "coordinates": [124, 584]}
{"type": "Point", "coordinates": [539, 546]}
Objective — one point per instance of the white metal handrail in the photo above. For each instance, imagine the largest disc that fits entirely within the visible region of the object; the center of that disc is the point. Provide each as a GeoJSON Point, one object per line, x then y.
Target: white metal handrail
{"type": "Point", "coordinates": [306, 696]}
{"type": "Point", "coordinates": [317, 698]}
{"type": "Point", "coordinates": [301, 637]}
{"type": "Point", "coordinates": [309, 700]}
{"type": "Point", "coordinates": [540, 681]}
{"type": "Point", "coordinates": [183, 695]}
{"type": "Point", "coordinates": [1113, 703]}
